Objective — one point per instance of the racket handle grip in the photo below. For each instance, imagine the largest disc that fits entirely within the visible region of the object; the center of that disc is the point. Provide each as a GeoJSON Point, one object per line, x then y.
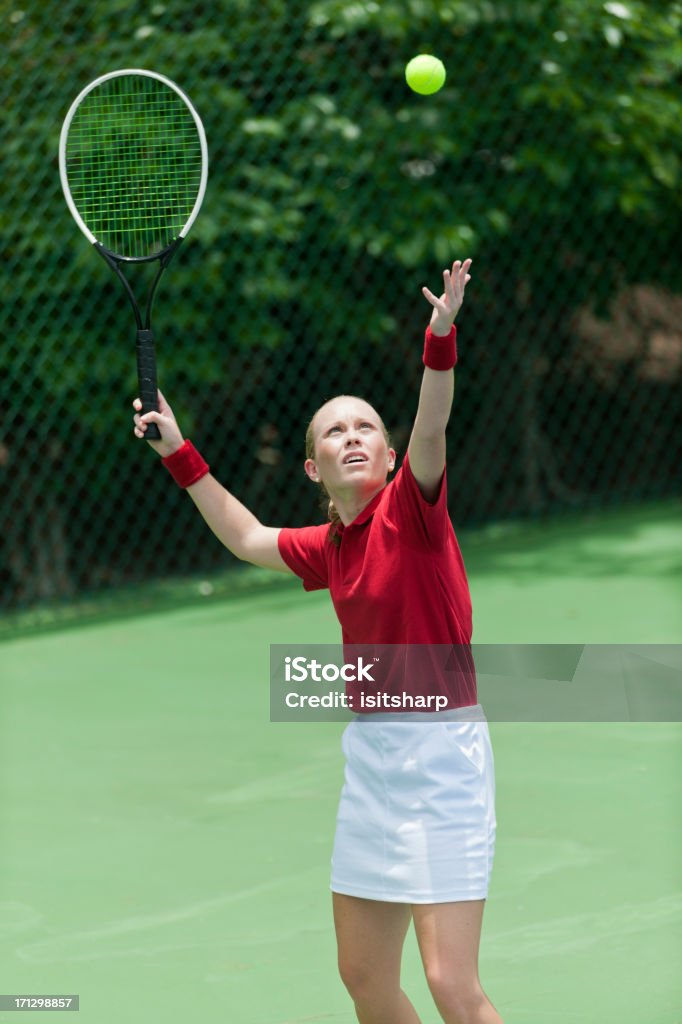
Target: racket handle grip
{"type": "Point", "coordinates": [146, 380]}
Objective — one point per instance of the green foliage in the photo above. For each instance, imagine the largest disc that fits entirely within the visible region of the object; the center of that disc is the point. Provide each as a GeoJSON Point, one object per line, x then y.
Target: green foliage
{"type": "Point", "coordinates": [552, 156]}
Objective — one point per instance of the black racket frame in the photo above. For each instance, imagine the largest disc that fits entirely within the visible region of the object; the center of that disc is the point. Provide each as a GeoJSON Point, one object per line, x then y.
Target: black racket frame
{"type": "Point", "coordinates": [144, 347]}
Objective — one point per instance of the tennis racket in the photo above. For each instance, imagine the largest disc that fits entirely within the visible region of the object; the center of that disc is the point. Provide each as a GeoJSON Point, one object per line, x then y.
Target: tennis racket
{"type": "Point", "coordinates": [133, 165]}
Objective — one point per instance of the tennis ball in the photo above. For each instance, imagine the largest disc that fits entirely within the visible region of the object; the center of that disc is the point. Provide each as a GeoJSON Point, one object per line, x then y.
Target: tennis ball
{"type": "Point", "coordinates": [425, 74]}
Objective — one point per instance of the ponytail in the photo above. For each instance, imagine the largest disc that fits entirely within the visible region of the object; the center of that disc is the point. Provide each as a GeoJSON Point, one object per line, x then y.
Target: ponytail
{"type": "Point", "coordinates": [334, 535]}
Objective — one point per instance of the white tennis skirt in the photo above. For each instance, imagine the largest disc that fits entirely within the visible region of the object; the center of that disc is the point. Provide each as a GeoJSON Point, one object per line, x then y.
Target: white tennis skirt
{"type": "Point", "coordinates": [416, 818]}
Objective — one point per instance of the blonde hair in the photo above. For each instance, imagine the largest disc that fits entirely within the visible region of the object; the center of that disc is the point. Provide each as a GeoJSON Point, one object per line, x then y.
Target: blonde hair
{"type": "Point", "coordinates": [327, 504]}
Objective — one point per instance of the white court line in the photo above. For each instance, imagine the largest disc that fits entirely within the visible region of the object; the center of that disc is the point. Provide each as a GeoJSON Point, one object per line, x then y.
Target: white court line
{"type": "Point", "coordinates": [55, 949]}
{"type": "Point", "coordinates": [580, 931]}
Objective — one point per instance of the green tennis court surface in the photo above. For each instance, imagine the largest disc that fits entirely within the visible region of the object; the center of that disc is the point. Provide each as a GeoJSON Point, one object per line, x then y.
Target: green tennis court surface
{"type": "Point", "coordinates": [165, 848]}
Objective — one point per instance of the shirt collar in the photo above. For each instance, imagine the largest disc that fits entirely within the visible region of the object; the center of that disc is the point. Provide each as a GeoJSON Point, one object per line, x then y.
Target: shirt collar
{"type": "Point", "coordinates": [367, 512]}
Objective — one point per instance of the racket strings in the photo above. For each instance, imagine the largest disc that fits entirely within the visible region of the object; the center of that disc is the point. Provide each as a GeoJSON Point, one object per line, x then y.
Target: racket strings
{"type": "Point", "coordinates": [134, 164]}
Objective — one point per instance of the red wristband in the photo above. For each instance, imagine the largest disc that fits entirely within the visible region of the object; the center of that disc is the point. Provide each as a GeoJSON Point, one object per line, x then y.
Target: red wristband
{"type": "Point", "coordinates": [440, 353]}
{"type": "Point", "coordinates": [185, 465]}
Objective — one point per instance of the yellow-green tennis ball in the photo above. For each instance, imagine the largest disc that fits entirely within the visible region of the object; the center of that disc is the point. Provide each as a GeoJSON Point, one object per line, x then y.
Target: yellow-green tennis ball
{"type": "Point", "coordinates": [425, 74]}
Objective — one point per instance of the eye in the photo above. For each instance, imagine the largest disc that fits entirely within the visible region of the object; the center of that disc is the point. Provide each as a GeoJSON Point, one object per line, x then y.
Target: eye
{"type": "Point", "coordinates": [370, 425]}
{"type": "Point", "coordinates": [332, 429]}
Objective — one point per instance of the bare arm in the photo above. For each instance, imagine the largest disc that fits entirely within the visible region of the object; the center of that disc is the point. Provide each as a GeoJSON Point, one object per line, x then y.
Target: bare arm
{"type": "Point", "coordinates": [427, 443]}
{"type": "Point", "coordinates": [231, 522]}
{"type": "Point", "coordinates": [236, 527]}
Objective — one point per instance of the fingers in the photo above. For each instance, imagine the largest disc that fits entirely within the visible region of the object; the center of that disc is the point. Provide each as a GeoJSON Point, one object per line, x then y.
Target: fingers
{"type": "Point", "coordinates": [460, 272]}
{"type": "Point", "coordinates": [137, 404]}
{"type": "Point", "coordinates": [163, 404]}
{"type": "Point", "coordinates": [142, 421]}
{"type": "Point", "coordinates": [137, 420]}
{"type": "Point", "coordinates": [464, 274]}
{"type": "Point", "coordinates": [457, 281]}
{"type": "Point", "coordinates": [434, 300]}
{"type": "Point", "coordinates": [454, 283]}
{"type": "Point", "coordinates": [140, 428]}
{"type": "Point", "coordinates": [449, 285]}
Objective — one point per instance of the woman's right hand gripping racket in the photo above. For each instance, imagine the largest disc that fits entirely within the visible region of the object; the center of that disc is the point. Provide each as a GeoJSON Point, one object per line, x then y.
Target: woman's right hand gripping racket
{"type": "Point", "coordinates": [133, 165]}
{"type": "Point", "coordinates": [171, 435]}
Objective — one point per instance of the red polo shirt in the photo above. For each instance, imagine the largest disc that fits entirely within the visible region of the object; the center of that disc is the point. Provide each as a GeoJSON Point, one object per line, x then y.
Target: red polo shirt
{"type": "Point", "coordinates": [397, 577]}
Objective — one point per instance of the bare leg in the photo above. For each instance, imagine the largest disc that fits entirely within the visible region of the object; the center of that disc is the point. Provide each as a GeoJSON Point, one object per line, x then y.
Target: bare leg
{"type": "Point", "coordinates": [449, 935]}
{"type": "Point", "coordinates": [370, 935]}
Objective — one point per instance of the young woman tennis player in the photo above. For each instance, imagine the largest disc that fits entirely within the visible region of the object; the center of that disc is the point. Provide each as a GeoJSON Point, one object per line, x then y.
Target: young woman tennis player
{"type": "Point", "coordinates": [416, 822]}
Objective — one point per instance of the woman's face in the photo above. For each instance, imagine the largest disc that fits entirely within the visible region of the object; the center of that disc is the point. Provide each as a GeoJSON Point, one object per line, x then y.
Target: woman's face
{"type": "Point", "coordinates": [351, 453]}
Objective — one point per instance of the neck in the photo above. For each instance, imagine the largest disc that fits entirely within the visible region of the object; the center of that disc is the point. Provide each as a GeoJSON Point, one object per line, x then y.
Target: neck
{"type": "Point", "coordinates": [349, 506]}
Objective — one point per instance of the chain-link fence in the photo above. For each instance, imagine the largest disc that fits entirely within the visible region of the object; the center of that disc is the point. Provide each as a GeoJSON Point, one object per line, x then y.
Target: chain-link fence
{"type": "Point", "coordinates": [551, 156]}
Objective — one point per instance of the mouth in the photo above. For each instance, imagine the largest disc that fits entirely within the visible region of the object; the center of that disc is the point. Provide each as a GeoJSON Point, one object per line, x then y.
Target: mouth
{"type": "Point", "coordinates": [354, 459]}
